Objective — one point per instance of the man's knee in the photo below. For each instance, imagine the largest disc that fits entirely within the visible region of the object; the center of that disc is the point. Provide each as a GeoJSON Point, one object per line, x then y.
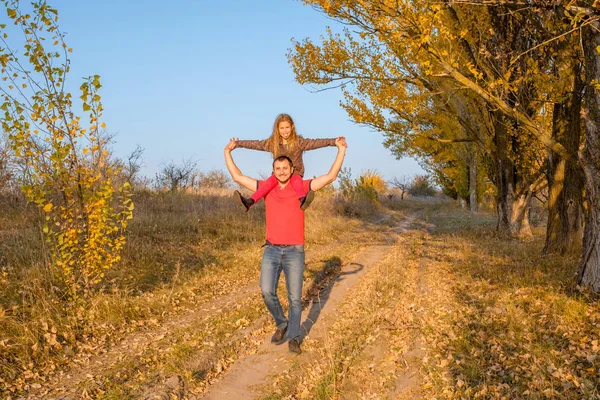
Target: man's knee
{"type": "Point", "coordinates": [268, 293]}
{"type": "Point", "coordinates": [295, 301]}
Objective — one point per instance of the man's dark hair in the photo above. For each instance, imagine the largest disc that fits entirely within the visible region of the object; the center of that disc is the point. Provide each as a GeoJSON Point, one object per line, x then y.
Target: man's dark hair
{"type": "Point", "coordinates": [281, 158]}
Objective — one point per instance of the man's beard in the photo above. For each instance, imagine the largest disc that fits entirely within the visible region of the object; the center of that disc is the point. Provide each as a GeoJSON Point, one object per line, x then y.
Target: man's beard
{"type": "Point", "coordinates": [285, 181]}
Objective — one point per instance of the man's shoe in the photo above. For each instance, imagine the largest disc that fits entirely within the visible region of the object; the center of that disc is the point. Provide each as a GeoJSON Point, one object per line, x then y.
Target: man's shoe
{"type": "Point", "coordinates": [294, 346]}
{"type": "Point", "coordinates": [279, 335]}
{"type": "Point", "coordinates": [246, 202]}
{"type": "Point", "coordinates": [306, 200]}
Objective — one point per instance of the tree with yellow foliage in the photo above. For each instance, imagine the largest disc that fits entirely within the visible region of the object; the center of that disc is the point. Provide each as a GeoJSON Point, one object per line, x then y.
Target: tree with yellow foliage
{"type": "Point", "coordinates": [403, 54]}
{"type": "Point", "coordinates": [68, 176]}
{"type": "Point", "coordinates": [396, 66]}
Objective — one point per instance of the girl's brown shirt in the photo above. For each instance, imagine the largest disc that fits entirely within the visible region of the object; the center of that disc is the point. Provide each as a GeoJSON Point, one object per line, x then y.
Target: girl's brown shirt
{"type": "Point", "coordinates": [295, 154]}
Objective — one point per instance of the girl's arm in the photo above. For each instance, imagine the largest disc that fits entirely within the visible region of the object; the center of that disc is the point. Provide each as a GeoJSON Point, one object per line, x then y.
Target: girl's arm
{"type": "Point", "coordinates": [253, 144]}
{"type": "Point", "coordinates": [312, 144]}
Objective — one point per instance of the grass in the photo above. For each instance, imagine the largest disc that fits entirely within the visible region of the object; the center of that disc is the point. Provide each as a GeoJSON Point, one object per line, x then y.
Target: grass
{"type": "Point", "coordinates": [519, 327]}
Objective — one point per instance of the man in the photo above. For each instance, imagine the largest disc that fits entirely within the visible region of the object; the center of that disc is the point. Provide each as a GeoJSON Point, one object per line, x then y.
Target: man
{"type": "Point", "coordinates": [284, 247]}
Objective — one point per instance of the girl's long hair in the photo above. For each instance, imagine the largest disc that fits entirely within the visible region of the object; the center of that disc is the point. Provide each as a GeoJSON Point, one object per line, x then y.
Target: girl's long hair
{"type": "Point", "coordinates": [275, 140]}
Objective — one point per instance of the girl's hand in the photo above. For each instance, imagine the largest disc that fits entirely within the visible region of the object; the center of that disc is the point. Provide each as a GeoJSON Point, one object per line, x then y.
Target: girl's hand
{"type": "Point", "coordinates": [341, 141]}
{"type": "Point", "coordinates": [231, 145]}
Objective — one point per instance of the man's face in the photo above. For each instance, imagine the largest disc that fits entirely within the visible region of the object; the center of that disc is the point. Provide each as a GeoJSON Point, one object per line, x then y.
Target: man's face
{"type": "Point", "coordinates": [282, 171]}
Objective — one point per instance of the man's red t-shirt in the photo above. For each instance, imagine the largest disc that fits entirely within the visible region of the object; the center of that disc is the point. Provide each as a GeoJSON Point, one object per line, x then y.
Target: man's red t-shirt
{"type": "Point", "coordinates": [285, 219]}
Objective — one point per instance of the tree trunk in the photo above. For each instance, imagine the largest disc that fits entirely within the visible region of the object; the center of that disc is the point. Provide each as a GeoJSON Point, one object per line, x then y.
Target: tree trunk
{"type": "Point", "coordinates": [473, 182]}
{"type": "Point", "coordinates": [504, 176]}
{"type": "Point", "coordinates": [525, 230]}
{"type": "Point", "coordinates": [519, 221]}
{"type": "Point", "coordinates": [565, 176]}
{"type": "Point", "coordinates": [505, 199]}
{"type": "Point", "coordinates": [589, 265]}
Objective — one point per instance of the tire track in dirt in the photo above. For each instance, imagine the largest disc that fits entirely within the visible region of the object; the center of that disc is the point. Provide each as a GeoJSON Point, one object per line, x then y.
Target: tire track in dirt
{"type": "Point", "coordinates": [392, 348]}
{"type": "Point", "coordinates": [409, 381]}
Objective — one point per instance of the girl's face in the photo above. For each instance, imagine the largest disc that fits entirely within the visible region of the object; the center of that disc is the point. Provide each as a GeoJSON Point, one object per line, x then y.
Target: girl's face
{"type": "Point", "coordinates": [285, 129]}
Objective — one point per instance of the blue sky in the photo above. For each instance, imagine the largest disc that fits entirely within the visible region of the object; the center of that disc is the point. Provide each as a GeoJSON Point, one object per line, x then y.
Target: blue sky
{"type": "Point", "coordinates": [181, 78]}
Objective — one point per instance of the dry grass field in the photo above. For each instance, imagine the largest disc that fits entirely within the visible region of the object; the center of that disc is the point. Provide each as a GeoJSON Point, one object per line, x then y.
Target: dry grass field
{"type": "Point", "coordinates": [449, 309]}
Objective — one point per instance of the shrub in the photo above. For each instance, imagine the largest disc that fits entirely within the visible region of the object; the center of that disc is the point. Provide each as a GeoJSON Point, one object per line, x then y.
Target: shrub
{"type": "Point", "coordinates": [421, 187]}
{"type": "Point", "coordinates": [213, 179]}
{"type": "Point", "coordinates": [359, 196]}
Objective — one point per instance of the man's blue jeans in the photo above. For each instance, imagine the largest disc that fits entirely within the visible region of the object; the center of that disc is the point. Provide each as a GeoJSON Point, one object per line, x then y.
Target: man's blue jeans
{"type": "Point", "coordinates": [290, 260]}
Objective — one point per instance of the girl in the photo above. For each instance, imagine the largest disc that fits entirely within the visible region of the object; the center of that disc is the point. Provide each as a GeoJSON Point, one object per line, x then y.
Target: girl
{"type": "Point", "coordinates": [284, 141]}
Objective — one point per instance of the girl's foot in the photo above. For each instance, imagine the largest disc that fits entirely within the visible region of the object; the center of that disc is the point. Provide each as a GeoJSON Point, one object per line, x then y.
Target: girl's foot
{"type": "Point", "coordinates": [306, 200]}
{"type": "Point", "coordinates": [246, 202]}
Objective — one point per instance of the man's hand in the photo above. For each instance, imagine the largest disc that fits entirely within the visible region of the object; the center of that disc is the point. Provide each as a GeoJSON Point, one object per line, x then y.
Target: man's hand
{"type": "Point", "coordinates": [234, 171]}
{"type": "Point", "coordinates": [231, 145]}
{"type": "Point", "coordinates": [323, 180]}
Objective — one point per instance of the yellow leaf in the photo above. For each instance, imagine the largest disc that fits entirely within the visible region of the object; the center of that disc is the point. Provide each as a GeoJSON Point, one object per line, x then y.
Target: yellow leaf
{"type": "Point", "coordinates": [48, 207]}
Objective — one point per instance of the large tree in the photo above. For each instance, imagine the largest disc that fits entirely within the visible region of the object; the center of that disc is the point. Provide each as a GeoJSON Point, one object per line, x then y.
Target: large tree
{"type": "Point", "coordinates": [589, 266]}
{"type": "Point", "coordinates": [402, 53]}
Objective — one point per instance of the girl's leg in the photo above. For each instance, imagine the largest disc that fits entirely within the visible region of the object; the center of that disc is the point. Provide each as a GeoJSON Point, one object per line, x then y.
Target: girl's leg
{"type": "Point", "coordinates": [305, 197]}
{"type": "Point", "coordinates": [265, 188]}
{"type": "Point", "coordinates": [296, 181]}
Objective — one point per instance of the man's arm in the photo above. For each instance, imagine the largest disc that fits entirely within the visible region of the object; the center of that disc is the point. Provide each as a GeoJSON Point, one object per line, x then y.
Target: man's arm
{"type": "Point", "coordinates": [323, 180]}
{"type": "Point", "coordinates": [234, 171]}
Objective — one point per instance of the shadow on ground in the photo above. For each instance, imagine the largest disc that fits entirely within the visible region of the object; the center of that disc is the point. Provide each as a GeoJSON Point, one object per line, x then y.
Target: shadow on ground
{"type": "Point", "coordinates": [320, 292]}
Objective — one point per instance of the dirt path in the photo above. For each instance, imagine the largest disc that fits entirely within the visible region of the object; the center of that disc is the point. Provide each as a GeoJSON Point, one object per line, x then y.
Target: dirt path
{"type": "Point", "coordinates": [251, 372]}
{"type": "Point", "coordinates": [247, 378]}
